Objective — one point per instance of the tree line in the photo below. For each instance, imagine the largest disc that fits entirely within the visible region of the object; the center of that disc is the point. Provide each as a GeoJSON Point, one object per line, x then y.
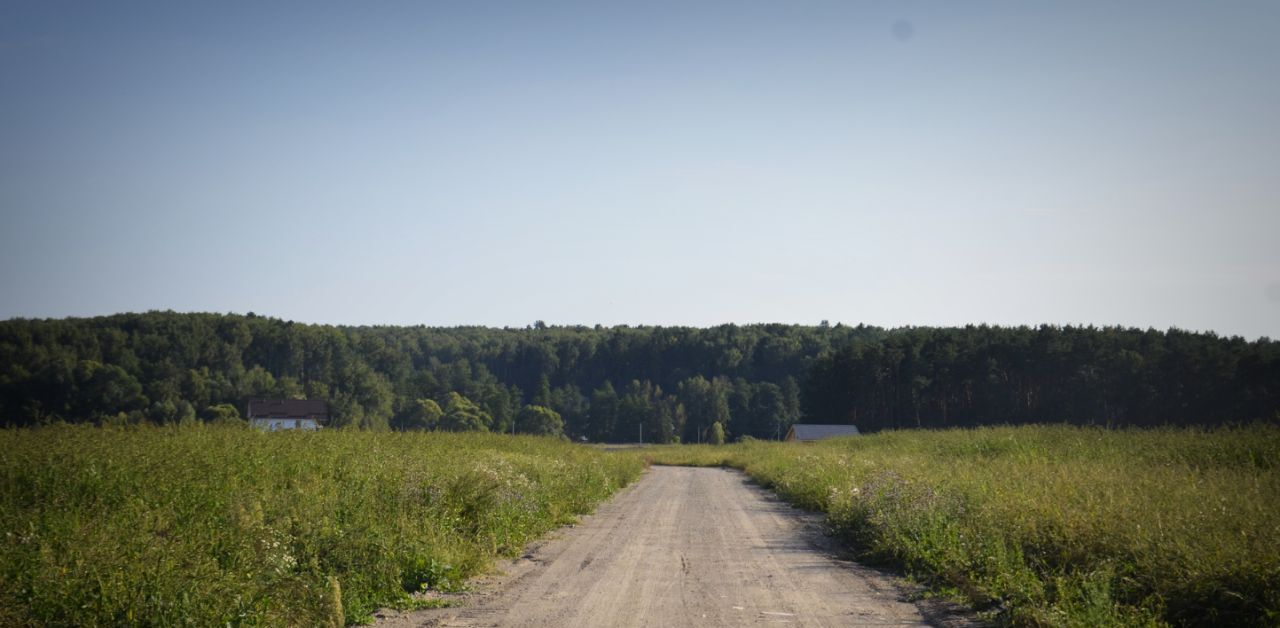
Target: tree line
{"type": "Point", "coordinates": [618, 383]}
{"type": "Point", "coordinates": [950, 377]}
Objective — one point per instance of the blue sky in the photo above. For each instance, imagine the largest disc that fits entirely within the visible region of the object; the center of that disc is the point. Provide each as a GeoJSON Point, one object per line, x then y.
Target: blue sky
{"type": "Point", "coordinates": [444, 163]}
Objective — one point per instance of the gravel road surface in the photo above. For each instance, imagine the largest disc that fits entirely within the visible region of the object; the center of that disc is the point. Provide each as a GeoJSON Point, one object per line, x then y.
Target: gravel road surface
{"type": "Point", "coordinates": [686, 547]}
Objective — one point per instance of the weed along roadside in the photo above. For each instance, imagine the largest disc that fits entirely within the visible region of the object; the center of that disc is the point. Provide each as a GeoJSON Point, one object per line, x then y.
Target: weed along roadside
{"type": "Point", "coordinates": [688, 547]}
{"type": "Point", "coordinates": [215, 525]}
{"type": "Point", "coordinates": [211, 525]}
{"type": "Point", "coordinates": [1049, 525]}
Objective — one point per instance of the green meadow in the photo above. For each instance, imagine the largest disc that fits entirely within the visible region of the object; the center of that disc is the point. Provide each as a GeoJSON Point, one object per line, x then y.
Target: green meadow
{"type": "Point", "coordinates": [206, 525]}
{"type": "Point", "coordinates": [1050, 525]}
{"type": "Point", "coordinates": [1033, 526]}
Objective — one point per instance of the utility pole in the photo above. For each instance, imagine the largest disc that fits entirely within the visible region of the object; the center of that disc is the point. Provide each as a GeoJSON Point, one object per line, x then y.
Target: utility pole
{"type": "Point", "coordinates": [641, 426]}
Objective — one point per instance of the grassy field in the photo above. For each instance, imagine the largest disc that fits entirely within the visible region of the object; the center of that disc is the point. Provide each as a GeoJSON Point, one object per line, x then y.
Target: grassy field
{"type": "Point", "coordinates": [213, 526]}
{"type": "Point", "coordinates": [1050, 525]}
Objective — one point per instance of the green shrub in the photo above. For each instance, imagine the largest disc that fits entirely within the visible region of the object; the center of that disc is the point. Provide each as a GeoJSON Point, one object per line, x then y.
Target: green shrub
{"type": "Point", "coordinates": [210, 525]}
{"type": "Point", "coordinates": [1051, 525]}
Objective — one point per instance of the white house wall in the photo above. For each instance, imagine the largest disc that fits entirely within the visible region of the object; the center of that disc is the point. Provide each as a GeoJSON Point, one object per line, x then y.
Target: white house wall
{"type": "Point", "coordinates": [274, 425]}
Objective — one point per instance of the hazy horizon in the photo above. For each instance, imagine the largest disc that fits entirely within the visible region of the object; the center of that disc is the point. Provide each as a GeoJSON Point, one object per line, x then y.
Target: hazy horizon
{"type": "Point", "coordinates": [635, 325]}
{"type": "Point", "coordinates": [892, 164]}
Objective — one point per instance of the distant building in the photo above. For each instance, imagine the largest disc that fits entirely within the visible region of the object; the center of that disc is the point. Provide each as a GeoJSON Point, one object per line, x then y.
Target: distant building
{"type": "Point", "coordinates": [808, 432]}
{"type": "Point", "coordinates": [287, 414]}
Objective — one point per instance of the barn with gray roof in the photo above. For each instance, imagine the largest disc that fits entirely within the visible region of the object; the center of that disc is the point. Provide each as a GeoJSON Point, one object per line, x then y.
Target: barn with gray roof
{"type": "Point", "coordinates": [811, 431]}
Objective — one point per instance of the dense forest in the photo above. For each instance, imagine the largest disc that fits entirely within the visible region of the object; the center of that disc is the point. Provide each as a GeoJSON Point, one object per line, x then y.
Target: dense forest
{"type": "Point", "coordinates": [664, 384]}
{"type": "Point", "coordinates": [955, 377]}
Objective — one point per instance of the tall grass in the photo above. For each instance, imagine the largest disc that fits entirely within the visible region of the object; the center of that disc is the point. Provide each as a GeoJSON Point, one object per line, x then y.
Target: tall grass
{"type": "Point", "coordinates": [1051, 525]}
{"type": "Point", "coordinates": [212, 526]}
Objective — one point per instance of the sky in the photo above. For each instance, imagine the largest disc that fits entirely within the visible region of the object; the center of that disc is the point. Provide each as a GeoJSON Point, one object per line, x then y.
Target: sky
{"type": "Point", "coordinates": [662, 163]}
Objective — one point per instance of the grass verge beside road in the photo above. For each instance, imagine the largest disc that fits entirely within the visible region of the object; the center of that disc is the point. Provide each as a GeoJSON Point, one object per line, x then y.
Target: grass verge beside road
{"type": "Point", "coordinates": [1050, 525]}
{"type": "Point", "coordinates": [207, 526]}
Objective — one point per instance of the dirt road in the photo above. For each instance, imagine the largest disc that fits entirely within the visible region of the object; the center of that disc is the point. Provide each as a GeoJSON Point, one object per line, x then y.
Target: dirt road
{"type": "Point", "coordinates": [684, 547]}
